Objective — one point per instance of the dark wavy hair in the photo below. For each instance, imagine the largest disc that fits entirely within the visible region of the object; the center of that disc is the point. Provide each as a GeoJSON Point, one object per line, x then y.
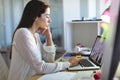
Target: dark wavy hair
{"type": "Point", "coordinates": [33, 9]}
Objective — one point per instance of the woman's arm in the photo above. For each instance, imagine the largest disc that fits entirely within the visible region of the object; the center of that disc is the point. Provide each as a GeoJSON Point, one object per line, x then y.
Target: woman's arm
{"type": "Point", "coordinates": [48, 50]}
{"type": "Point", "coordinates": [25, 45]}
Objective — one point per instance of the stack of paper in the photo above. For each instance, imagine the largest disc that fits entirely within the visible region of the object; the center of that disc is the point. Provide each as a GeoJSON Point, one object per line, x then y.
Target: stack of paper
{"type": "Point", "coordinates": [58, 76]}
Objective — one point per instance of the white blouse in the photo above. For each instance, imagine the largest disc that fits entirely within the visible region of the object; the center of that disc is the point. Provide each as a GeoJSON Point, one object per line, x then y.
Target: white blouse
{"type": "Point", "coordinates": [31, 57]}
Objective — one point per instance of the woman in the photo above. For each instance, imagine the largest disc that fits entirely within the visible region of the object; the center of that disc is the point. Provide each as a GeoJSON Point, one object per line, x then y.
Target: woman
{"type": "Point", "coordinates": [29, 55]}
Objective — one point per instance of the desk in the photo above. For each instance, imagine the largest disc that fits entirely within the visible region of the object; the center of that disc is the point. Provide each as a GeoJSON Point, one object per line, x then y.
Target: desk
{"type": "Point", "coordinates": [35, 77]}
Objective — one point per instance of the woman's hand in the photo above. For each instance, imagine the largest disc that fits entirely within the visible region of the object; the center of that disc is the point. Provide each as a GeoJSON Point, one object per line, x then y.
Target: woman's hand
{"type": "Point", "coordinates": [74, 61]}
{"type": "Point", "coordinates": [46, 31]}
{"type": "Point", "coordinates": [47, 34]}
{"type": "Point", "coordinates": [43, 31]}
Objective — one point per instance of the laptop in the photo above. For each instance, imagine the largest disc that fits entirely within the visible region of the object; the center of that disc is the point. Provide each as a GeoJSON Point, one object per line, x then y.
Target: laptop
{"type": "Point", "coordinates": [95, 59]}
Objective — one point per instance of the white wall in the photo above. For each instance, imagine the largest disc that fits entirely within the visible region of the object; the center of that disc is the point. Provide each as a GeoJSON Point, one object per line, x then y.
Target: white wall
{"type": "Point", "coordinates": [71, 11]}
{"type": "Point", "coordinates": [91, 8]}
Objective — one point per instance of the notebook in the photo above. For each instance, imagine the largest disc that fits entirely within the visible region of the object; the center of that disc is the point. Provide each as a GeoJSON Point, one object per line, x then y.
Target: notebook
{"type": "Point", "coordinates": [95, 60]}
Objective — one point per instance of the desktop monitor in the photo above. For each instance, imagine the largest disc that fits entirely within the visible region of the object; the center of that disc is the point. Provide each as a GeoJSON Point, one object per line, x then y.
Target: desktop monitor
{"type": "Point", "coordinates": [111, 55]}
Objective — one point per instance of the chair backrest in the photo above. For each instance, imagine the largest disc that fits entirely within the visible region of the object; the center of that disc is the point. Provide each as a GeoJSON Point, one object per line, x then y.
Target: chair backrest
{"type": "Point", "coordinates": [3, 69]}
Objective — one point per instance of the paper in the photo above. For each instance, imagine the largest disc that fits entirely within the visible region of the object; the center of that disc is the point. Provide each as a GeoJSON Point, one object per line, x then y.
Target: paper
{"type": "Point", "coordinates": [58, 76]}
{"type": "Point", "coordinates": [83, 75]}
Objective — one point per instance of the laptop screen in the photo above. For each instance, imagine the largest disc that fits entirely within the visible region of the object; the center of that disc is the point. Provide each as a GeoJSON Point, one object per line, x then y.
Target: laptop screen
{"type": "Point", "coordinates": [97, 50]}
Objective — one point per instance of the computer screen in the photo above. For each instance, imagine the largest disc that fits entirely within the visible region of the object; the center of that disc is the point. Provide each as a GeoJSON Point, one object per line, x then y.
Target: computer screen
{"type": "Point", "coordinates": [97, 50]}
{"type": "Point", "coordinates": [111, 55]}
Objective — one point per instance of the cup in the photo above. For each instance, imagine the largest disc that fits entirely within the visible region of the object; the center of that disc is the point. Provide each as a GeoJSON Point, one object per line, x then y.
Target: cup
{"type": "Point", "coordinates": [77, 49]}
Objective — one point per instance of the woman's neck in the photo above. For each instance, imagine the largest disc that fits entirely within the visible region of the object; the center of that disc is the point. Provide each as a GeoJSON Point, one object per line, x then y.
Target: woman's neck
{"type": "Point", "coordinates": [33, 29]}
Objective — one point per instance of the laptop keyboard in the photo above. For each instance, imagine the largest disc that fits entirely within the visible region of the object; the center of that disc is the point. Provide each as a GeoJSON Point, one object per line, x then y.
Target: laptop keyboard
{"type": "Point", "coordinates": [85, 63]}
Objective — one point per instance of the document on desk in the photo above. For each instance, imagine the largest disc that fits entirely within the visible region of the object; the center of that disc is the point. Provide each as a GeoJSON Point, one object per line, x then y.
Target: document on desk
{"type": "Point", "coordinates": [58, 76]}
{"type": "Point", "coordinates": [83, 75]}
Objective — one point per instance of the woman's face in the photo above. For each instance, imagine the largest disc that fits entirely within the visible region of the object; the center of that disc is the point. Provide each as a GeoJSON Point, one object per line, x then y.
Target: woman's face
{"type": "Point", "coordinates": [44, 21]}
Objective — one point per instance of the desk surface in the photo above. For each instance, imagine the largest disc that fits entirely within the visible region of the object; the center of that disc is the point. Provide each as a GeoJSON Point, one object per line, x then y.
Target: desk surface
{"type": "Point", "coordinates": [35, 77]}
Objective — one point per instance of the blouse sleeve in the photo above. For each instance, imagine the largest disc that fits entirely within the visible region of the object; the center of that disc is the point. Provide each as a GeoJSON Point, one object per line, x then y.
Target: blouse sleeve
{"type": "Point", "coordinates": [25, 45]}
{"type": "Point", "coordinates": [48, 52]}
